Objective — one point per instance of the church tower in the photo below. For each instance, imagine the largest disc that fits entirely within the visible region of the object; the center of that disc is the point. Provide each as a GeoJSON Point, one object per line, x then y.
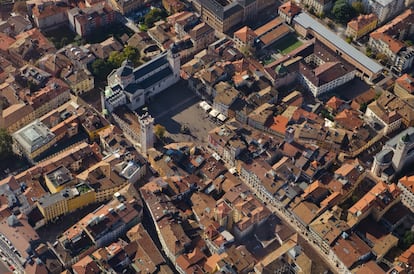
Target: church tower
{"type": "Point", "coordinates": [174, 60]}
{"type": "Point", "coordinates": [147, 132]}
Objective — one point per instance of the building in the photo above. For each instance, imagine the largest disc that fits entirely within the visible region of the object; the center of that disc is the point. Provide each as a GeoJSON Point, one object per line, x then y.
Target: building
{"type": "Point", "coordinates": [361, 25]}
{"type": "Point", "coordinates": [134, 87]}
{"type": "Point", "coordinates": [57, 179]}
{"type": "Point", "coordinates": [389, 40]}
{"type": "Point", "coordinates": [319, 6]}
{"type": "Point", "coordinates": [288, 10]}
{"type": "Point", "coordinates": [384, 9]}
{"type": "Point", "coordinates": [406, 185]}
{"type": "Point", "coordinates": [173, 6]}
{"type": "Point", "coordinates": [201, 35]}
{"type": "Point", "coordinates": [48, 16]}
{"type": "Point", "coordinates": [224, 15]}
{"type": "Point", "coordinates": [79, 80]}
{"type": "Point", "coordinates": [395, 154]}
{"type": "Point", "coordinates": [404, 86]}
{"type": "Point", "coordinates": [107, 222]}
{"type": "Point", "coordinates": [34, 139]}
{"type": "Point", "coordinates": [126, 6]}
{"type": "Point", "coordinates": [322, 71]}
{"type": "Point", "coordinates": [85, 21]}
{"type": "Point", "coordinates": [271, 32]}
{"type": "Point", "coordinates": [65, 201]}
{"type": "Point", "coordinates": [244, 38]}
{"type": "Point", "coordinates": [390, 111]}
{"type": "Point", "coordinates": [307, 26]}
{"type": "Point", "coordinates": [351, 250]}
{"type": "Point", "coordinates": [147, 132]}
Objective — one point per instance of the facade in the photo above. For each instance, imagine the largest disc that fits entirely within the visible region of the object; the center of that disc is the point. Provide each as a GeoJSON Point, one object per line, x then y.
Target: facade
{"type": "Point", "coordinates": [68, 200]}
{"type": "Point", "coordinates": [244, 37]}
{"type": "Point", "coordinates": [201, 35]}
{"type": "Point", "coordinates": [319, 6]}
{"type": "Point", "coordinates": [390, 121]}
{"type": "Point", "coordinates": [396, 154]}
{"type": "Point", "coordinates": [57, 179]}
{"type": "Point", "coordinates": [360, 26]}
{"type": "Point", "coordinates": [173, 6]}
{"type": "Point", "coordinates": [288, 10]}
{"type": "Point", "coordinates": [305, 25]}
{"type": "Point", "coordinates": [406, 185]}
{"type": "Point", "coordinates": [404, 86]}
{"type": "Point", "coordinates": [47, 16]}
{"type": "Point", "coordinates": [389, 38]}
{"type": "Point", "coordinates": [322, 71]}
{"type": "Point", "coordinates": [147, 132]}
{"type": "Point", "coordinates": [126, 6]}
{"type": "Point", "coordinates": [79, 81]}
{"type": "Point", "coordinates": [34, 139]}
{"type": "Point", "coordinates": [85, 21]}
{"type": "Point", "coordinates": [384, 9]}
{"type": "Point", "coordinates": [134, 87]}
{"type": "Point", "coordinates": [224, 15]}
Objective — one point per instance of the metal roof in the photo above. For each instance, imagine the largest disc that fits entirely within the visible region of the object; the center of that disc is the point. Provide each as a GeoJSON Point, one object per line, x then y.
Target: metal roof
{"type": "Point", "coordinates": [308, 22]}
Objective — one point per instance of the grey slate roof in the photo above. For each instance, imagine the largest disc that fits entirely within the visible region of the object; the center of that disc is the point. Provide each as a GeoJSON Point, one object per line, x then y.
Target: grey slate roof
{"type": "Point", "coordinates": [151, 65]}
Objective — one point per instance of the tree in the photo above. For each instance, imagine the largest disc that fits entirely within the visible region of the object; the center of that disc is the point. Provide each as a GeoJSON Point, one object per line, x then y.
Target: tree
{"type": "Point", "coordinates": [153, 16]}
{"type": "Point", "coordinates": [348, 39]}
{"type": "Point", "coordinates": [6, 144]}
{"type": "Point", "coordinates": [159, 131]}
{"type": "Point", "coordinates": [407, 240]}
{"type": "Point", "coordinates": [358, 7]}
{"type": "Point", "coordinates": [342, 11]}
{"type": "Point", "coordinates": [132, 54]}
{"type": "Point", "coordinates": [363, 107]}
{"type": "Point", "coordinates": [381, 57]}
{"type": "Point", "coordinates": [368, 52]}
{"type": "Point", "coordinates": [101, 68]}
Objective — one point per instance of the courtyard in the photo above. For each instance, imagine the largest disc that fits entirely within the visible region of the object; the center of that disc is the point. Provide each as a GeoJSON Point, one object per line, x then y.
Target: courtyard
{"type": "Point", "coordinates": [287, 44]}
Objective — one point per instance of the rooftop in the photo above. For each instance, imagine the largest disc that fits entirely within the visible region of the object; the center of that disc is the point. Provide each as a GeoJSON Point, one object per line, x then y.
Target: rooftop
{"type": "Point", "coordinates": [59, 176]}
{"type": "Point", "coordinates": [33, 136]}
{"type": "Point", "coordinates": [308, 22]}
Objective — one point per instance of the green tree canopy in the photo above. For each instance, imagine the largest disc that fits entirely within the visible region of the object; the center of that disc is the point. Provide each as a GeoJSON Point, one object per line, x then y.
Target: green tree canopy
{"type": "Point", "coordinates": [342, 11]}
{"type": "Point", "coordinates": [159, 131]}
{"type": "Point", "coordinates": [358, 7]}
{"type": "Point", "coordinates": [101, 68]}
{"type": "Point", "coordinates": [153, 16]}
{"type": "Point", "coordinates": [116, 58]}
{"type": "Point", "coordinates": [6, 144]}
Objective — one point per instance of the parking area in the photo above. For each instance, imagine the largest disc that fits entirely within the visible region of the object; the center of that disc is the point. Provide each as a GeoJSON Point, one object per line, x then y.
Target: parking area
{"type": "Point", "coordinates": [178, 106]}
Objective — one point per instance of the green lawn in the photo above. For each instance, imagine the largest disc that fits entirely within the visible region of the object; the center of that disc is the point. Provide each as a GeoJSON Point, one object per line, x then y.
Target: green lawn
{"type": "Point", "coordinates": [287, 44]}
{"type": "Point", "coordinates": [268, 61]}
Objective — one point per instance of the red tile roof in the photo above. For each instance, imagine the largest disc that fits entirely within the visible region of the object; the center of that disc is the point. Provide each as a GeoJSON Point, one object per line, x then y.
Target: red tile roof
{"type": "Point", "coordinates": [406, 82]}
{"type": "Point", "coordinates": [362, 21]}
{"type": "Point", "coordinates": [244, 33]}
{"type": "Point", "coordinates": [290, 8]}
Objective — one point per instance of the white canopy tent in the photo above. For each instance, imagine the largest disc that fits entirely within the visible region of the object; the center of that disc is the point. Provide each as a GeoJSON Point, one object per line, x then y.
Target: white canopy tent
{"type": "Point", "coordinates": [214, 113]}
{"type": "Point", "coordinates": [221, 117]}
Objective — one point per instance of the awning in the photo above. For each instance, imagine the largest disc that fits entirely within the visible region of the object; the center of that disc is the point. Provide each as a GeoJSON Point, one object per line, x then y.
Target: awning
{"type": "Point", "coordinates": [204, 105]}
{"type": "Point", "coordinates": [221, 117]}
{"type": "Point", "coordinates": [214, 113]}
